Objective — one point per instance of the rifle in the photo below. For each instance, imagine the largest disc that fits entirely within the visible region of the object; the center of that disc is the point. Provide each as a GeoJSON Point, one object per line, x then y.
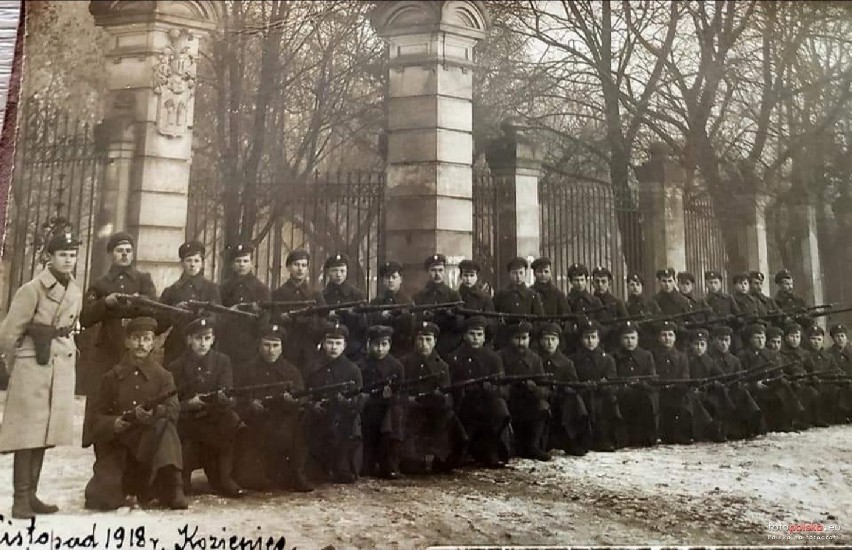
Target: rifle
{"type": "Point", "coordinates": [623, 319]}
{"type": "Point", "coordinates": [831, 312]}
{"type": "Point", "coordinates": [149, 405]}
{"type": "Point", "coordinates": [313, 393]}
{"type": "Point", "coordinates": [758, 373]}
{"type": "Point", "coordinates": [674, 316]}
{"type": "Point", "coordinates": [277, 305]}
{"type": "Point", "coordinates": [411, 308]}
{"type": "Point", "coordinates": [516, 378]}
{"type": "Point", "coordinates": [323, 309]}
{"type": "Point", "coordinates": [198, 307]}
{"type": "Point", "coordinates": [625, 381]}
{"type": "Point", "coordinates": [142, 301]}
{"type": "Point", "coordinates": [470, 382]}
{"type": "Point", "coordinates": [529, 316]}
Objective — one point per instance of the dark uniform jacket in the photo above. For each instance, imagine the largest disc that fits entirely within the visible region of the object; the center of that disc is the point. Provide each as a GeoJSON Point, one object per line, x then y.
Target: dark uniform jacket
{"type": "Point", "coordinates": [751, 358]}
{"type": "Point", "coordinates": [672, 303]}
{"type": "Point", "coordinates": [790, 354]}
{"type": "Point", "coordinates": [476, 299]}
{"type": "Point", "coordinates": [259, 371]}
{"type": "Point", "coordinates": [581, 301]}
{"type": "Point", "coordinates": [196, 375]}
{"type": "Point", "coordinates": [842, 357]}
{"type": "Point", "coordinates": [671, 364]}
{"type": "Point", "coordinates": [696, 304]}
{"type": "Point", "coordinates": [728, 362]}
{"type": "Point", "coordinates": [302, 331]}
{"type": "Point", "coordinates": [334, 371]}
{"type": "Point", "coordinates": [355, 322]}
{"type": "Point", "coordinates": [703, 366]}
{"type": "Point", "coordinates": [789, 301]}
{"type": "Point", "coordinates": [416, 366]}
{"type": "Point", "coordinates": [637, 362]}
{"type": "Point", "coordinates": [765, 304]}
{"type": "Point", "coordinates": [514, 299]}
{"type": "Point", "coordinates": [109, 346]}
{"type": "Point", "coordinates": [722, 304]}
{"type": "Point", "coordinates": [374, 370]}
{"type": "Point", "coordinates": [439, 293]}
{"type": "Point", "coordinates": [746, 303]}
{"type": "Point", "coordinates": [238, 337]}
{"type": "Point", "coordinates": [594, 364]}
{"type": "Point", "coordinates": [615, 307]}
{"type": "Point", "coordinates": [186, 288]}
{"type": "Point", "coordinates": [822, 361]}
{"type": "Point", "coordinates": [640, 305]}
{"type": "Point", "coordinates": [553, 300]}
{"type": "Point", "coordinates": [520, 361]}
{"type": "Point", "coordinates": [402, 323]}
{"type": "Point", "coordinates": [467, 362]}
{"type": "Point", "coordinates": [560, 366]}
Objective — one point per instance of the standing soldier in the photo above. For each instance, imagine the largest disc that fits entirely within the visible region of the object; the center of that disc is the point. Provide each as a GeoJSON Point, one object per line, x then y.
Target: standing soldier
{"type": "Point", "coordinates": [304, 331]}
{"type": "Point", "coordinates": [789, 301]}
{"type": "Point", "coordinates": [515, 298]}
{"type": "Point", "coordinates": [723, 305]}
{"type": "Point", "coordinates": [553, 300]}
{"type": "Point", "coordinates": [638, 304]}
{"type": "Point", "coordinates": [670, 300]}
{"type": "Point", "coordinates": [615, 308]}
{"type": "Point", "coordinates": [579, 298]}
{"type": "Point", "coordinates": [437, 291]}
{"type": "Point", "coordinates": [686, 285]}
{"type": "Point", "coordinates": [338, 291]}
{"type": "Point", "coordinates": [475, 298]}
{"type": "Point", "coordinates": [238, 338]}
{"type": "Point", "coordinates": [102, 305]}
{"type": "Point", "coordinates": [402, 322]}
{"type": "Point", "coordinates": [765, 304]}
{"type": "Point", "coordinates": [191, 286]}
{"type": "Point", "coordinates": [36, 340]}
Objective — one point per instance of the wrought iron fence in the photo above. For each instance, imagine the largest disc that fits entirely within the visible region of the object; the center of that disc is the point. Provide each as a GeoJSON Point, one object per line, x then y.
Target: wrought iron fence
{"type": "Point", "coordinates": [705, 244]}
{"type": "Point", "coordinates": [490, 194]}
{"type": "Point", "coordinates": [331, 212]}
{"type": "Point", "coordinates": [586, 222]}
{"type": "Point", "coordinates": [57, 177]}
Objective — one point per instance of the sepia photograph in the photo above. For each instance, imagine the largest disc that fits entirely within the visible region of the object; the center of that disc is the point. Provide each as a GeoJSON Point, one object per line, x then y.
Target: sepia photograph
{"type": "Point", "coordinates": [411, 274]}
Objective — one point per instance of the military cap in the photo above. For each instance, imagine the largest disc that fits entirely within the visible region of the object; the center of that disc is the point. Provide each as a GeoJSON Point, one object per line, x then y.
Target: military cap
{"type": "Point", "coordinates": [296, 255]}
{"type": "Point", "coordinates": [636, 278]}
{"type": "Point", "coordinates": [389, 268]}
{"type": "Point", "coordinates": [379, 331]}
{"type": "Point", "coordinates": [335, 330]}
{"type": "Point", "coordinates": [273, 332]}
{"type": "Point", "coordinates": [792, 327]}
{"type": "Point", "coordinates": [121, 237]}
{"type": "Point", "coordinates": [551, 328]}
{"type": "Point", "coordinates": [577, 269]}
{"type": "Point", "coordinates": [699, 334]}
{"type": "Point", "coordinates": [815, 330]}
{"type": "Point", "coordinates": [190, 248]}
{"type": "Point", "coordinates": [336, 261]}
{"type": "Point", "coordinates": [740, 277]}
{"type": "Point", "coordinates": [783, 274]}
{"type": "Point", "coordinates": [685, 277]}
{"type": "Point", "coordinates": [667, 325]}
{"type": "Point", "coordinates": [541, 263]}
{"type": "Point", "coordinates": [466, 266]}
{"type": "Point", "coordinates": [587, 325]}
{"type": "Point", "coordinates": [627, 328]}
{"type": "Point", "coordinates": [712, 274]}
{"type": "Point", "coordinates": [434, 259]}
{"type": "Point", "coordinates": [141, 324]}
{"type": "Point", "coordinates": [516, 262]}
{"type": "Point", "coordinates": [199, 325]}
{"type": "Point", "coordinates": [427, 327]}
{"type": "Point", "coordinates": [754, 328]}
{"type": "Point", "coordinates": [477, 321]}
{"type": "Point", "coordinates": [63, 240]}
{"type": "Point", "coordinates": [756, 275]}
{"type": "Point", "coordinates": [722, 330]}
{"type": "Point", "coordinates": [773, 332]}
{"type": "Point", "coordinates": [667, 272]}
{"type": "Point", "coordinates": [601, 271]}
{"type": "Point", "coordinates": [837, 329]}
{"type": "Point", "coordinates": [242, 249]}
{"type": "Point", "coordinates": [521, 328]}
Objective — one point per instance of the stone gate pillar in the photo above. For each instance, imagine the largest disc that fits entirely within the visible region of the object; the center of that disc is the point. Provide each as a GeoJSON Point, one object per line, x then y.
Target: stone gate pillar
{"type": "Point", "coordinates": [756, 244]}
{"type": "Point", "coordinates": [151, 70]}
{"type": "Point", "coordinates": [810, 285]}
{"type": "Point", "coordinates": [430, 127]}
{"type": "Point", "coordinates": [661, 182]}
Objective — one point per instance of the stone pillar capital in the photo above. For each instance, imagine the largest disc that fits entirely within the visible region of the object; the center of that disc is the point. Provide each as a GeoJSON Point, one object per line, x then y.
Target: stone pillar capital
{"type": "Point", "coordinates": [661, 168]}
{"type": "Point", "coordinates": [199, 15]}
{"type": "Point", "coordinates": [517, 150]}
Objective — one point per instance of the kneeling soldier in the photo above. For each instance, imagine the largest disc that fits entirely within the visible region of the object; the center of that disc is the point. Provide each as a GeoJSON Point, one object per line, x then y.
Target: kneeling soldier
{"type": "Point", "coordinates": [334, 421]}
{"type": "Point", "coordinates": [528, 402]}
{"type": "Point", "coordinates": [639, 404]}
{"type": "Point", "coordinates": [715, 397]}
{"type": "Point", "coordinates": [271, 450]}
{"type": "Point", "coordinates": [593, 365]}
{"type": "Point", "coordinates": [208, 423]}
{"type": "Point", "coordinates": [137, 446]}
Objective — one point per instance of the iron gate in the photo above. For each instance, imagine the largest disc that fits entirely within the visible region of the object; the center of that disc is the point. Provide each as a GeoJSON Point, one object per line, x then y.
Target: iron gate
{"type": "Point", "coordinates": [57, 176]}
{"type": "Point", "coordinates": [705, 245]}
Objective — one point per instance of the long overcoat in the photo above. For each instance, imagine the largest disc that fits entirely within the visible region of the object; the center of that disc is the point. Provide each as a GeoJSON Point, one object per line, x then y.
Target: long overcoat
{"type": "Point", "coordinates": [40, 398]}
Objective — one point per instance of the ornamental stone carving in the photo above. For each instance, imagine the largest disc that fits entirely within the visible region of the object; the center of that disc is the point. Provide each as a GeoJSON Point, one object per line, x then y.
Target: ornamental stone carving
{"type": "Point", "coordinates": [174, 83]}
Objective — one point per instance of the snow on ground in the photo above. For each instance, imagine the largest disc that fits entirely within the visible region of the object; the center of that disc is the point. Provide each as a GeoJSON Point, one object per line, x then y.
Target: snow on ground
{"type": "Point", "coordinates": [704, 493]}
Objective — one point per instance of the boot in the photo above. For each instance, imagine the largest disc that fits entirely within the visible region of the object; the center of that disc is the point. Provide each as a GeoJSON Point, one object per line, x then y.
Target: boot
{"type": "Point", "coordinates": [22, 483]}
{"type": "Point", "coordinates": [227, 486]}
{"type": "Point", "coordinates": [173, 482]}
{"type": "Point", "coordinates": [389, 456]}
{"type": "Point", "coordinates": [36, 461]}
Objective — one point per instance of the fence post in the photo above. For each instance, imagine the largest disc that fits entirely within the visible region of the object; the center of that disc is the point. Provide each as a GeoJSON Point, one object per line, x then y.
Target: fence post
{"type": "Point", "coordinates": [151, 68]}
{"type": "Point", "coordinates": [515, 163]}
{"type": "Point", "coordinates": [430, 128]}
{"type": "Point", "coordinates": [811, 285]}
{"type": "Point", "coordinates": [661, 182]}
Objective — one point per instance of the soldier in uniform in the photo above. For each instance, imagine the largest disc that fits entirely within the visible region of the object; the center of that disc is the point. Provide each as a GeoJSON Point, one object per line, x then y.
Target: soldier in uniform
{"type": "Point", "coordinates": [102, 305]}
{"type": "Point", "coordinates": [192, 285]}
{"type": "Point", "coordinates": [528, 402]}
{"type": "Point", "coordinates": [579, 298]}
{"type": "Point", "coordinates": [840, 349]}
{"type": "Point", "coordinates": [715, 397]}
{"type": "Point", "coordinates": [765, 304]}
{"type": "Point", "coordinates": [686, 286]}
{"type": "Point", "coordinates": [746, 303]}
{"type": "Point", "coordinates": [800, 364]}
{"type": "Point", "coordinates": [304, 331]}
{"type": "Point", "coordinates": [384, 411]}
{"type": "Point", "coordinates": [571, 428]}
{"type": "Point", "coordinates": [238, 337]}
{"type": "Point", "coordinates": [271, 451]}
{"type": "Point", "coordinates": [35, 339]}
{"type": "Point", "coordinates": [748, 418]}
{"type": "Point", "coordinates": [774, 338]}
{"type": "Point", "coordinates": [481, 408]}
{"type": "Point", "coordinates": [435, 440]}
{"type": "Point", "coordinates": [515, 298]}
{"type": "Point", "coordinates": [834, 403]}
{"type": "Point", "coordinates": [334, 422]}
{"type": "Point", "coordinates": [208, 423]}
{"type": "Point", "coordinates": [615, 308]}
{"type": "Point", "coordinates": [640, 403]}
{"type": "Point", "coordinates": [787, 300]}
{"type": "Point", "coordinates": [402, 322]}
{"type": "Point", "coordinates": [136, 454]}
{"type": "Point", "coordinates": [594, 364]}
{"type": "Point", "coordinates": [437, 291]}
{"type": "Point", "coordinates": [475, 298]}
{"type": "Point", "coordinates": [670, 300]}
{"type": "Point", "coordinates": [723, 305]}
{"type": "Point", "coordinates": [338, 291]}
{"type": "Point", "coordinates": [553, 300]}
{"type": "Point", "coordinates": [638, 304]}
